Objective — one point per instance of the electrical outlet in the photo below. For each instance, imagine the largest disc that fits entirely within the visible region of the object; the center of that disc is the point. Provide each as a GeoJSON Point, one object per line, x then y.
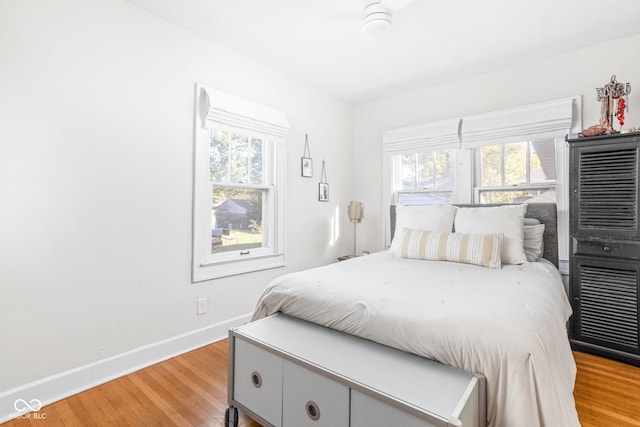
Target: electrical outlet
{"type": "Point", "coordinates": [202, 305]}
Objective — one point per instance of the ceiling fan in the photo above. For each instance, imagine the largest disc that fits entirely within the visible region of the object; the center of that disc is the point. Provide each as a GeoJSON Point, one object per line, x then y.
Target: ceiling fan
{"type": "Point", "coordinates": [376, 18]}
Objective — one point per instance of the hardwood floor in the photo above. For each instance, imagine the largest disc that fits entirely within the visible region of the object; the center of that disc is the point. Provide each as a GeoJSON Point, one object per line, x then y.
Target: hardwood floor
{"type": "Point", "coordinates": [191, 390]}
{"type": "Point", "coordinates": [607, 392]}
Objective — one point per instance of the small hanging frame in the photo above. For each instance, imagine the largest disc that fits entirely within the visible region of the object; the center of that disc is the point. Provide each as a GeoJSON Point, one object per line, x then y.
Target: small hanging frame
{"type": "Point", "coordinates": [306, 162]}
{"type": "Point", "coordinates": [323, 186]}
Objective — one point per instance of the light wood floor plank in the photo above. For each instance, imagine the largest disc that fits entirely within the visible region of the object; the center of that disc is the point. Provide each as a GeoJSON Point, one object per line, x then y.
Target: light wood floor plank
{"type": "Point", "coordinates": [607, 392]}
{"type": "Point", "coordinates": [191, 390]}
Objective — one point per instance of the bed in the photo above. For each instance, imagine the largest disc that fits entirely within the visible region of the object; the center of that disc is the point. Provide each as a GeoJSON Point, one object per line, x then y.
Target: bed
{"type": "Point", "coordinates": [507, 323]}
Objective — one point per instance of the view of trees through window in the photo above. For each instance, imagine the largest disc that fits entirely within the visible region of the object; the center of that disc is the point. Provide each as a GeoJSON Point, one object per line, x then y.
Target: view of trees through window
{"type": "Point", "coordinates": [427, 171]}
{"type": "Point", "coordinates": [236, 172]}
{"type": "Point", "coordinates": [427, 178]}
{"type": "Point", "coordinates": [515, 173]}
{"type": "Point", "coordinates": [504, 173]}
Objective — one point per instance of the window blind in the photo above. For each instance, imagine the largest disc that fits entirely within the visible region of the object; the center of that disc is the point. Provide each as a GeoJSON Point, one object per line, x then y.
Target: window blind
{"type": "Point", "coordinates": [546, 120]}
{"type": "Point", "coordinates": [428, 136]}
{"type": "Point", "coordinates": [221, 108]}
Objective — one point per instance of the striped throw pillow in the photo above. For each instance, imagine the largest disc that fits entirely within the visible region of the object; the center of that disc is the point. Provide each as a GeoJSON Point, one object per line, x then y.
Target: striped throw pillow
{"type": "Point", "coordinates": [478, 249]}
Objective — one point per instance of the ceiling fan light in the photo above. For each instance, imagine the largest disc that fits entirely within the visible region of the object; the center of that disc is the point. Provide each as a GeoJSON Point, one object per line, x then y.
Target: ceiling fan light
{"type": "Point", "coordinates": [376, 27]}
{"type": "Point", "coordinates": [376, 19]}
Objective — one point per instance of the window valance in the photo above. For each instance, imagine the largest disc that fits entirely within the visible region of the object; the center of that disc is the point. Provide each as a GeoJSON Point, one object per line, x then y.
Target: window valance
{"type": "Point", "coordinates": [221, 108]}
{"type": "Point", "coordinates": [428, 136]}
{"type": "Point", "coordinates": [541, 121]}
{"type": "Point", "coordinates": [546, 120]}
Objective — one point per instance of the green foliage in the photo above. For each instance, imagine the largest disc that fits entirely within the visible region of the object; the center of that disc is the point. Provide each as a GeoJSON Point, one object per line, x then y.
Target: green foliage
{"type": "Point", "coordinates": [235, 158]}
{"type": "Point", "coordinates": [507, 165]}
{"type": "Point", "coordinates": [503, 169]}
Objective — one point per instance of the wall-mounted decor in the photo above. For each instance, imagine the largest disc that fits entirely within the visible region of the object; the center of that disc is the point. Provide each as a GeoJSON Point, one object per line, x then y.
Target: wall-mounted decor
{"type": "Point", "coordinates": [306, 162]}
{"type": "Point", "coordinates": [323, 187]}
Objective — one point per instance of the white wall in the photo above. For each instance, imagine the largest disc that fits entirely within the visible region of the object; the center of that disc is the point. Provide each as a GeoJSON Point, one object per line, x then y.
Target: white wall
{"type": "Point", "coordinates": [96, 153]}
{"type": "Point", "coordinates": [575, 73]}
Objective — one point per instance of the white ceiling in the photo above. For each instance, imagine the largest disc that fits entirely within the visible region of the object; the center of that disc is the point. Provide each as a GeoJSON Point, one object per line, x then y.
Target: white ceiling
{"type": "Point", "coordinates": [321, 42]}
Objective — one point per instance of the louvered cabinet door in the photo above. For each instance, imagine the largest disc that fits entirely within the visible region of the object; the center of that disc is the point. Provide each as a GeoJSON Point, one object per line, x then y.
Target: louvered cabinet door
{"type": "Point", "coordinates": [605, 306]}
{"type": "Point", "coordinates": [604, 188]}
{"type": "Point", "coordinates": [605, 237]}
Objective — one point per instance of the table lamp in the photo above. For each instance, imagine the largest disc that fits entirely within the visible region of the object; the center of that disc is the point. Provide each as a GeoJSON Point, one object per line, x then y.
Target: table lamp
{"type": "Point", "coordinates": [356, 213]}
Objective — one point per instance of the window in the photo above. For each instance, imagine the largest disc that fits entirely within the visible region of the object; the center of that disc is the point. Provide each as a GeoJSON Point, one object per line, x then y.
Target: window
{"type": "Point", "coordinates": [505, 173]}
{"type": "Point", "coordinates": [238, 186]}
{"type": "Point", "coordinates": [425, 178]}
{"type": "Point", "coordinates": [419, 161]}
{"type": "Point", "coordinates": [508, 156]}
{"type": "Point", "coordinates": [240, 191]}
{"type": "Point", "coordinates": [518, 172]}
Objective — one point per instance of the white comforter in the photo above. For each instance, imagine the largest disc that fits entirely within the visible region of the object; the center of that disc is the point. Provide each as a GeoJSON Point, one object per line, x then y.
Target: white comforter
{"type": "Point", "coordinates": [507, 324]}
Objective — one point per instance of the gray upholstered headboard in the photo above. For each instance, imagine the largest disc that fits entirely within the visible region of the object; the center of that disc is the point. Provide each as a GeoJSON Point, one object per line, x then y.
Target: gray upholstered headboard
{"type": "Point", "coordinates": [546, 213]}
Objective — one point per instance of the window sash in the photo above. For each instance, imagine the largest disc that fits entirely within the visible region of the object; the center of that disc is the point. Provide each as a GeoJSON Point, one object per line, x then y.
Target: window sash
{"type": "Point", "coordinates": [547, 163]}
{"type": "Point", "coordinates": [268, 247]}
{"type": "Point", "coordinates": [228, 156]}
{"type": "Point", "coordinates": [478, 191]}
{"type": "Point", "coordinates": [421, 197]}
{"type": "Point", "coordinates": [429, 158]}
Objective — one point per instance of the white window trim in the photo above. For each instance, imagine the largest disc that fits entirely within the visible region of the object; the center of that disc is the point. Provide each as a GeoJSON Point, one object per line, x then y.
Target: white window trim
{"type": "Point", "coordinates": [214, 108]}
{"type": "Point", "coordinates": [545, 120]}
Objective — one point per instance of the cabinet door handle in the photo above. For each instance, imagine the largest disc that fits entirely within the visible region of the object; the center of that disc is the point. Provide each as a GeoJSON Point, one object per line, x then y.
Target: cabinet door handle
{"type": "Point", "coordinates": [313, 411]}
{"type": "Point", "coordinates": [606, 248]}
{"type": "Point", "coordinates": [256, 379]}
{"type": "Point", "coordinates": [576, 300]}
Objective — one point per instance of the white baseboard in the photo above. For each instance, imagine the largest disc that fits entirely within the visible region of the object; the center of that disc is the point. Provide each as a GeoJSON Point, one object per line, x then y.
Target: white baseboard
{"type": "Point", "coordinates": [56, 387]}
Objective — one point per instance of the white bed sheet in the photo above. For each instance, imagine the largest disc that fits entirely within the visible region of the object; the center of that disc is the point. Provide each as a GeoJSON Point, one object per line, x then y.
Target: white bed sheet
{"type": "Point", "coordinates": [507, 324]}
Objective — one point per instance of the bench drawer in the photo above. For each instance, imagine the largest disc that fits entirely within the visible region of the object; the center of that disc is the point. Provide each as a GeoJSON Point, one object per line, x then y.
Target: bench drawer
{"type": "Point", "coordinates": [312, 400]}
{"type": "Point", "coordinates": [257, 381]}
{"type": "Point", "coordinates": [369, 412]}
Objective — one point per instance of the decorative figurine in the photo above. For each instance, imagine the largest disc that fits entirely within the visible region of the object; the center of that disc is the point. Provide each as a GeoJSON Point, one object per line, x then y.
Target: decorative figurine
{"type": "Point", "coordinates": [608, 95]}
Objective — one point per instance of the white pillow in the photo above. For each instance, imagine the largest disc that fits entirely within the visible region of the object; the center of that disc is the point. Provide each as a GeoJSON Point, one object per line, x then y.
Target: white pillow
{"type": "Point", "coordinates": [508, 220]}
{"type": "Point", "coordinates": [427, 217]}
{"type": "Point", "coordinates": [531, 221]}
{"type": "Point", "coordinates": [533, 241]}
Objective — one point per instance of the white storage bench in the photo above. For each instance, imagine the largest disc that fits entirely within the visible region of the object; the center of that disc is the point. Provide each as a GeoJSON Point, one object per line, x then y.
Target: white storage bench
{"type": "Point", "coordinates": [285, 372]}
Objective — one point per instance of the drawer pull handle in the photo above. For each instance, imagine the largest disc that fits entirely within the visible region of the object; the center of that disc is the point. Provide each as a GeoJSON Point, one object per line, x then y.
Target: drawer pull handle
{"type": "Point", "coordinates": [606, 248]}
{"type": "Point", "coordinates": [256, 379]}
{"type": "Point", "coordinates": [313, 411]}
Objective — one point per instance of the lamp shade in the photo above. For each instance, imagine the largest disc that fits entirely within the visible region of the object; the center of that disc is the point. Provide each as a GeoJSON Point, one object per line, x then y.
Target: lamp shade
{"type": "Point", "coordinates": [355, 211]}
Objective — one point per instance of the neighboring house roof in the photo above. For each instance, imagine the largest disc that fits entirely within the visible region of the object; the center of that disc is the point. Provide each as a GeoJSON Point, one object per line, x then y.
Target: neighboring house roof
{"type": "Point", "coordinates": [234, 206]}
